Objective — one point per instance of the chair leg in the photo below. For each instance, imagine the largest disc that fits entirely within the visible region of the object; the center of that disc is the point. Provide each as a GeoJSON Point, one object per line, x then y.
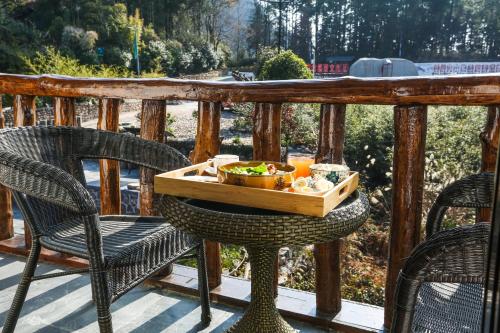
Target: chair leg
{"type": "Point", "coordinates": [22, 288]}
{"type": "Point", "coordinates": [206, 315]}
{"type": "Point", "coordinates": [100, 296]}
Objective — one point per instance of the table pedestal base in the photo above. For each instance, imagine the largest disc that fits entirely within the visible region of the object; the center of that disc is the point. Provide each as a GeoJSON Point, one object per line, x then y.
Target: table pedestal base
{"type": "Point", "coordinates": [261, 315]}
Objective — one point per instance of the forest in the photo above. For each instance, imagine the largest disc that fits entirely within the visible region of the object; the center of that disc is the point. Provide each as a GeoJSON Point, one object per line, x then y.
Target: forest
{"type": "Point", "coordinates": [175, 37]}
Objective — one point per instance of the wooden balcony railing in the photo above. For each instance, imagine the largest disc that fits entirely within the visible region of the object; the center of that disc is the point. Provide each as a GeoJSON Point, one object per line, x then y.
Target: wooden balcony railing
{"type": "Point", "coordinates": [409, 95]}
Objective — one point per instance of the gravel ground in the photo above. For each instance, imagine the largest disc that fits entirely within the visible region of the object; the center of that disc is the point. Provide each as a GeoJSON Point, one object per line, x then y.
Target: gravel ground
{"type": "Point", "coordinates": [184, 126]}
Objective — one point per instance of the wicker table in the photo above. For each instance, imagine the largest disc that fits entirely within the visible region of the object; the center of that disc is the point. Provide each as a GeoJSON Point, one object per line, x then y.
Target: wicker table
{"type": "Point", "coordinates": [262, 233]}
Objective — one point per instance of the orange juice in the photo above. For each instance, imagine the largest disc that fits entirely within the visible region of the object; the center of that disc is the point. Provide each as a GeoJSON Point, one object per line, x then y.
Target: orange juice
{"type": "Point", "coordinates": [301, 162]}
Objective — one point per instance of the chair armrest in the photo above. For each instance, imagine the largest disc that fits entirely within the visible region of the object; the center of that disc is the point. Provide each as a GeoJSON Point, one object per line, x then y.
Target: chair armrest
{"type": "Point", "coordinates": [95, 144]}
{"type": "Point", "coordinates": [475, 191]}
{"type": "Point", "coordinates": [45, 182]}
{"type": "Point", "coordinates": [457, 255]}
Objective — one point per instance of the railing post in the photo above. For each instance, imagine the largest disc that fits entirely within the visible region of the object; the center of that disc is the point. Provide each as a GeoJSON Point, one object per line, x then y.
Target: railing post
{"type": "Point", "coordinates": [64, 111]}
{"type": "Point", "coordinates": [327, 255]}
{"type": "Point", "coordinates": [489, 143]}
{"type": "Point", "coordinates": [6, 222]}
{"type": "Point", "coordinates": [25, 115]}
{"type": "Point", "coordinates": [410, 127]}
{"type": "Point", "coordinates": [153, 118]}
{"type": "Point", "coordinates": [267, 132]}
{"type": "Point", "coordinates": [207, 145]}
{"type": "Point", "coordinates": [109, 114]}
{"type": "Point", "coordinates": [267, 144]}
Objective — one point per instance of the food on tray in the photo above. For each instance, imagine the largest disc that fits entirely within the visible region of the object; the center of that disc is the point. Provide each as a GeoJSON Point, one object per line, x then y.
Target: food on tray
{"type": "Point", "coordinates": [261, 174]}
{"type": "Point", "coordinates": [316, 185]}
{"type": "Point", "coordinates": [332, 172]}
{"type": "Point", "coordinates": [262, 169]}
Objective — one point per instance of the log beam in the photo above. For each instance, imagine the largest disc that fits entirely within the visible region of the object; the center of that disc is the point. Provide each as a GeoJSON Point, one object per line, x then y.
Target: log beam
{"type": "Point", "coordinates": [109, 114]}
{"type": "Point", "coordinates": [327, 255]}
{"type": "Point", "coordinates": [410, 127]}
{"type": "Point", "coordinates": [153, 119]}
{"type": "Point", "coordinates": [207, 145]}
{"type": "Point", "coordinates": [6, 219]}
{"type": "Point", "coordinates": [434, 90]}
{"type": "Point", "coordinates": [489, 142]}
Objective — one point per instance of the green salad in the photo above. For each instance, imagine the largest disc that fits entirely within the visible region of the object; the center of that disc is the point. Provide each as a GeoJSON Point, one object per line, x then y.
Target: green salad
{"type": "Point", "coordinates": [259, 170]}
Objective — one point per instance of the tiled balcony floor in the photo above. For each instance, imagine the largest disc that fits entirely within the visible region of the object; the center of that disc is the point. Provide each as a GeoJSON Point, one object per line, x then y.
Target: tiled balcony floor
{"type": "Point", "coordinates": [64, 305]}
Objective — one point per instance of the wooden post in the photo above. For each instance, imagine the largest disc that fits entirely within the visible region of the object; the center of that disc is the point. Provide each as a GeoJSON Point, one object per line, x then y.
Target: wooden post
{"type": "Point", "coordinates": [267, 132]}
{"type": "Point", "coordinates": [489, 143]}
{"type": "Point", "coordinates": [25, 115]}
{"type": "Point", "coordinates": [6, 222]}
{"type": "Point", "coordinates": [267, 144]}
{"type": "Point", "coordinates": [153, 118]}
{"type": "Point", "coordinates": [64, 111]}
{"type": "Point", "coordinates": [207, 145]}
{"type": "Point", "coordinates": [109, 114]}
{"type": "Point", "coordinates": [24, 110]}
{"type": "Point", "coordinates": [410, 126]}
{"type": "Point", "coordinates": [327, 255]}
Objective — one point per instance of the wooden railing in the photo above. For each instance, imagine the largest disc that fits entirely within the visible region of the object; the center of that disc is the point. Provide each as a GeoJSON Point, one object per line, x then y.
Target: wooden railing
{"type": "Point", "coordinates": [409, 95]}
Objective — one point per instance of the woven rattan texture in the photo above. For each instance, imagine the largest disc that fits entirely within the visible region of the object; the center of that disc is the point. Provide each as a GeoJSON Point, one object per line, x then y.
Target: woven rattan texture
{"type": "Point", "coordinates": [266, 230]}
{"type": "Point", "coordinates": [440, 287]}
{"type": "Point", "coordinates": [263, 233]}
{"type": "Point", "coordinates": [42, 165]}
{"type": "Point", "coordinates": [475, 191]}
{"type": "Point", "coordinates": [261, 315]}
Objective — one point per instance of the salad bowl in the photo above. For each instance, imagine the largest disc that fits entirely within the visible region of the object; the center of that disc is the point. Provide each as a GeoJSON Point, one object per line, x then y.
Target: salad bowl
{"type": "Point", "coordinates": [259, 174]}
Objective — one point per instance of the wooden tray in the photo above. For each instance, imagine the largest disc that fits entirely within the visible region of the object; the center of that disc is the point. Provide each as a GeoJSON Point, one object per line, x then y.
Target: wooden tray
{"type": "Point", "coordinates": [173, 183]}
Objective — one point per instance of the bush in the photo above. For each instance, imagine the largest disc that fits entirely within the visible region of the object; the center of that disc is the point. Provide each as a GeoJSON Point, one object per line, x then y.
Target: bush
{"type": "Point", "coordinates": [80, 44]}
{"type": "Point", "coordinates": [263, 55]}
{"type": "Point", "coordinates": [50, 61]}
{"type": "Point", "coordinates": [203, 57]}
{"type": "Point", "coordinates": [17, 39]}
{"type": "Point", "coordinates": [156, 58]}
{"type": "Point", "coordinates": [285, 66]}
{"type": "Point", "coordinates": [117, 57]}
{"type": "Point", "coordinates": [369, 141]}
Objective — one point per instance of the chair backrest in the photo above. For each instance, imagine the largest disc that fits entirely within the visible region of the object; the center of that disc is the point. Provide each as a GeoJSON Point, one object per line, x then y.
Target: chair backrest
{"type": "Point", "coordinates": [64, 148]}
{"type": "Point", "coordinates": [440, 288]}
{"type": "Point", "coordinates": [52, 146]}
{"type": "Point", "coordinates": [474, 191]}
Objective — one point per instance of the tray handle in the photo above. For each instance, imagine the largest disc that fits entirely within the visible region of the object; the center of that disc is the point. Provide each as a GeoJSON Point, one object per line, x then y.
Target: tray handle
{"type": "Point", "coordinates": [344, 191]}
{"type": "Point", "coordinates": [195, 167]}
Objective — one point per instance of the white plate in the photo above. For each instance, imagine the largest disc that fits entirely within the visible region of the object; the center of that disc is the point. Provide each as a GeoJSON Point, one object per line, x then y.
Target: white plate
{"type": "Point", "coordinates": [212, 171]}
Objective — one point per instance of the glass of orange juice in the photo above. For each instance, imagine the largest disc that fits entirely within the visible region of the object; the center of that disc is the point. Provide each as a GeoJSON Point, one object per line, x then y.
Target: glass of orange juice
{"type": "Point", "coordinates": [301, 162]}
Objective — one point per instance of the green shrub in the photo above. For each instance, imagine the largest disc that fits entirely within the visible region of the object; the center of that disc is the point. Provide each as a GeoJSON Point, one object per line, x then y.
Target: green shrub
{"type": "Point", "coordinates": [263, 55]}
{"type": "Point", "coordinates": [50, 61]}
{"type": "Point", "coordinates": [156, 58]}
{"type": "Point", "coordinates": [80, 44]}
{"type": "Point", "coordinates": [17, 39]}
{"type": "Point", "coordinates": [285, 66]}
{"type": "Point", "coordinates": [369, 141]}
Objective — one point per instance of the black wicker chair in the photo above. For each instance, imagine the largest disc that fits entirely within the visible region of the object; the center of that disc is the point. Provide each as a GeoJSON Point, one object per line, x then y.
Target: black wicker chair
{"type": "Point", "coordinates": [42, 166]}
{"type": "Point", "coordinates": [440, 288]}
{"type": "Point", "coordinates": [475, 191]}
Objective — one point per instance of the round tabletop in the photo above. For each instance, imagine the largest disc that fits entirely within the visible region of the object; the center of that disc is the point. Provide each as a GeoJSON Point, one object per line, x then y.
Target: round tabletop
{"type": "Point", "coordinates": [263, 228]}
